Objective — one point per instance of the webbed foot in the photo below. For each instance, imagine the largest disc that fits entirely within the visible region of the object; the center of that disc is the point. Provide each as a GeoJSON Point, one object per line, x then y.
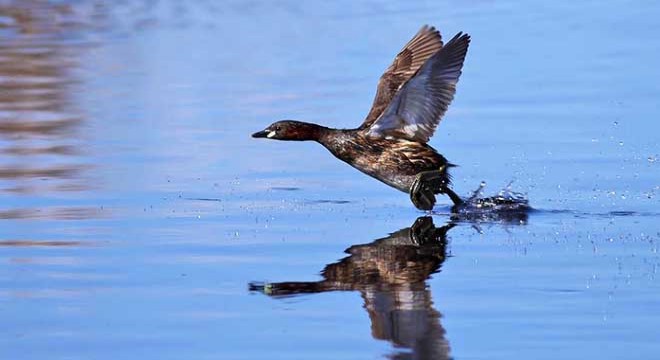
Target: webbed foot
{"type": "Point", "coordinates": [429, 183]}
{"type": "Point", "coordinates": [421, 193]}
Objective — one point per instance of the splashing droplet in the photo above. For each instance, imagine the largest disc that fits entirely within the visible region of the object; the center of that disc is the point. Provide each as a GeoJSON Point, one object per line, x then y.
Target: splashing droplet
{"type": "Point", "coordinates": [506, 206]}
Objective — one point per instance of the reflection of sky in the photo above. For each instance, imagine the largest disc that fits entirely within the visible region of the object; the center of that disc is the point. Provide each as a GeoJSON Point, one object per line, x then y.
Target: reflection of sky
{"type": "Point", "coordinates": [559, 96]}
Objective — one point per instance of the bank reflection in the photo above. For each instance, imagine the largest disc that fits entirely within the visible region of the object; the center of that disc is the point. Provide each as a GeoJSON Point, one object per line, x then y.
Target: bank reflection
{"type": "Point", "coordinates": [390, 273]}
{"type": "Point", "coordinates": [42, 142]}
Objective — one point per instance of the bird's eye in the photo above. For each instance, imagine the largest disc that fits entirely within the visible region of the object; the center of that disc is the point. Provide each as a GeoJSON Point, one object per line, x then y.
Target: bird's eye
{"type": "Point", "coordinates": [278, 128]}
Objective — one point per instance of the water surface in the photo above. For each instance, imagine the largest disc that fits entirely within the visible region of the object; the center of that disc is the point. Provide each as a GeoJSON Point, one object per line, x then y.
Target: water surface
{"type": "Point", "coordinates": [139, 219]}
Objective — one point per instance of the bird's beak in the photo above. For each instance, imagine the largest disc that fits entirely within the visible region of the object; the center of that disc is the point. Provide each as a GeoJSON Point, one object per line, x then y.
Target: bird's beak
{"type": "Point", "coordinates": [260, 134]}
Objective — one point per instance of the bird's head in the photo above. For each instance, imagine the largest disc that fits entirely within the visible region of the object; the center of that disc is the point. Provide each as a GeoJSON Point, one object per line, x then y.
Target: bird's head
{"type": "Point", "coordinates": [290, 130]}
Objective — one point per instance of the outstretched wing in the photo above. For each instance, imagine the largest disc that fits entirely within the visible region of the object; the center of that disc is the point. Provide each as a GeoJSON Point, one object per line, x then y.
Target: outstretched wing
{"type": "Point", "coordinates": [425, 43]}
{"type": "Point", "coordinates": [417, 108]}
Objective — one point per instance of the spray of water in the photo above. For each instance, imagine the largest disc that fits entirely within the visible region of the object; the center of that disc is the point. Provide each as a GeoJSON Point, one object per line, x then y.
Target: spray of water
{"type": "Point", "coordinates": [507, 206]}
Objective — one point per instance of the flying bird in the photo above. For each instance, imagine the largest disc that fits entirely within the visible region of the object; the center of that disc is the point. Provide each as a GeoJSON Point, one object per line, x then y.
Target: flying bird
{"type": "Point", "coordinates": [391, 145]}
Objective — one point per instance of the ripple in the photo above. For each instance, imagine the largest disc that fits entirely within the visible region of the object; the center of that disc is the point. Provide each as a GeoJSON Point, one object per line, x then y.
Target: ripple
{"type": "Point", "coordinates": [57, 213]}
{"type": "Point", "coordinates": [41, 243]}
{"type": "Point", "coordinates": [325, 201]}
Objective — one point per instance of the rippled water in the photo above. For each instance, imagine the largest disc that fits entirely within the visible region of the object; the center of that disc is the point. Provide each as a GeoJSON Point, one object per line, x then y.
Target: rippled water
{"type": "Point", "coordinates": [139, 219]}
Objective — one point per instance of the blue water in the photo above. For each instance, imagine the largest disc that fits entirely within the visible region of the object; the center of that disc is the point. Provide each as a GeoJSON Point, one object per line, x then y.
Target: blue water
{"type": "Point", "coordinates": [135, 210]}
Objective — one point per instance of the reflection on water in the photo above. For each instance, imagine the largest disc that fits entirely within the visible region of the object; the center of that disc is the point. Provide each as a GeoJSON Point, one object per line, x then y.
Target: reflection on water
{"type": "Point", "coordinates": [57, 213]}
{"type": "Point", "coordinates": [390, 274]}
{"type": "Point", "coordinates": [134, 207]}
{"type": "Point", "coordinates": [30, 243]}
{"type": "Point", "coordinates": [41, 138]}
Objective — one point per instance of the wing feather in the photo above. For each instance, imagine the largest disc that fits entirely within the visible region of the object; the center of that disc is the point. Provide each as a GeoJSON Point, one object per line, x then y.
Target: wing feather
{"type": "Point", "coordinates": [414, 54]}
{"type": "Point", "coordinates": [416, 110]}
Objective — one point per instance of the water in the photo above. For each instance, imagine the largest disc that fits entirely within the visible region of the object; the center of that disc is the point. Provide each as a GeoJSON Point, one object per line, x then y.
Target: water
{"type": "Point", "coordinates": [139, 219]}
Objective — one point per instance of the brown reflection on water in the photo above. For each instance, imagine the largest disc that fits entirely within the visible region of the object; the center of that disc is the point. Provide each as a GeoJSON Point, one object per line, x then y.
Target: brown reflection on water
{"type": "Point", "coordinates": [37, 243]}
{"type": "Point", "coordinates": [42, 144]}
{"type": "Point", "coordinates": [390, 274]}
{"type": "Point", "coordinates": [57, 213]}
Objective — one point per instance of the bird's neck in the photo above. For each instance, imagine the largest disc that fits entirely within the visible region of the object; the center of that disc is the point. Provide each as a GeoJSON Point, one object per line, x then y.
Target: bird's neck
{"type": "Point", "coordinates": [325, 135]}
{"type": "Point", "coordinates": [321, 134]}
{"type": "Point", "coordinates": [308, 132]}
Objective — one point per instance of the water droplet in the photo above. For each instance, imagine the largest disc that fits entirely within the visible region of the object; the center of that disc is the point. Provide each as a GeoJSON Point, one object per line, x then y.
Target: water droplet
{"type": "Point", "coordinates": [620, 143]}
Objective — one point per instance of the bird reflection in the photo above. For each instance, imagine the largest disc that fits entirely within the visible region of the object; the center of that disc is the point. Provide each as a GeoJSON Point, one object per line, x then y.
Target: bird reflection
{"type": "Point", "coordinates": [390, 273]}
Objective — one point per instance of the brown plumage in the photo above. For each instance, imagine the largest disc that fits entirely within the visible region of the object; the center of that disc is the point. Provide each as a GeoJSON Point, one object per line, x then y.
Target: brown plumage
{"type": "Point", "coordinates": [414, 54]}
{"type": "Point", "coordinates": [412, 96]}
{"type": "Point", "coordinates": [390, 274]}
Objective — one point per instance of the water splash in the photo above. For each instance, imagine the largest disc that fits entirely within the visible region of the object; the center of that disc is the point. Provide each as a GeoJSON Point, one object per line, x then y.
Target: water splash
{"type": "Point", "coordinates": [505, 206]}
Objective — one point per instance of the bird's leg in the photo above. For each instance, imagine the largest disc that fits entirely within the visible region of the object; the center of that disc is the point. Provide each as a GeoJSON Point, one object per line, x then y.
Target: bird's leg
{"type": "Point", "coordinates": [457, 200]}
{"type": "Point", "coordinates": [429, 183]}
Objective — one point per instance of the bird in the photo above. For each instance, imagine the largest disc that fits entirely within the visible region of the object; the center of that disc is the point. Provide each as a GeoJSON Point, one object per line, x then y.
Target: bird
{"type": "Point", "coordinates": [391, 145]}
